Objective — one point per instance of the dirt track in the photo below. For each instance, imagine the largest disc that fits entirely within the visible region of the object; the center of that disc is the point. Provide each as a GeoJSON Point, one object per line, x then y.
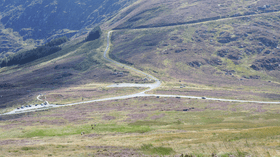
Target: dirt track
{"type": "Point", "coordinates": [141, 94]}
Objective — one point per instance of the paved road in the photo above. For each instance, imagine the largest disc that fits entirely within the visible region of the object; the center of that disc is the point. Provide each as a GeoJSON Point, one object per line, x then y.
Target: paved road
{"type": "Point", "coordinates": [141, 94]}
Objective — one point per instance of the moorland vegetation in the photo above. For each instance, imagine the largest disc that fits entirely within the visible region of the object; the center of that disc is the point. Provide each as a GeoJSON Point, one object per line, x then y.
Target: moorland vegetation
{"type": "Point", "coordinates": [223, 49]}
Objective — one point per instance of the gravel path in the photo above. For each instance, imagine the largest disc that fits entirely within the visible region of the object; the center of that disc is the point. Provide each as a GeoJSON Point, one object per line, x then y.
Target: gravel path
{"type": "Point", "coordinates": [141, 94]}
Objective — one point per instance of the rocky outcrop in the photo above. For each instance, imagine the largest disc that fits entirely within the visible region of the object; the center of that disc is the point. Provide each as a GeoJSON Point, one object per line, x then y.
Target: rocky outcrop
{"type": "Point", "coordinates": [223, 52]}
{"type": "Point", "coordinates": [180, 50]}
{"type": "Point", "coordinates": [268, 42]}
{"type": "Point", "coordinates": [195, 64]}
{"type": "Point", "coordinates": [224, 40]}
{"type": "Point", "coordinates": [225, 37]}
{"type": "Point", "coordinates": [267, 64]}
{"type": "Point", "coordinates": [230, 54]}
{"type": "Point", "coordinates": [254, 67]}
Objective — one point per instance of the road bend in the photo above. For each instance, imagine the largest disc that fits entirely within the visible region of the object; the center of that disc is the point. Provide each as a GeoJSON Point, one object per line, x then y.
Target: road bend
{"type": "Point", "coordinates": [141, 94]}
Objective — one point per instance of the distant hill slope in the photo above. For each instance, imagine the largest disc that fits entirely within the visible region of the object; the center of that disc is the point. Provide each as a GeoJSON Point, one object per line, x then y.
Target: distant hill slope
{"type": "Point", "coordinates": [44, 20]}
{"type": "Point", "coordinates": [242, 50]}
{"type": "Point", "coordinates": [156, 13]}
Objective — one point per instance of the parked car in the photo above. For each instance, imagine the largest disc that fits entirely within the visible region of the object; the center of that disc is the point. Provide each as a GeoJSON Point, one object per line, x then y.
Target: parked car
{"type": "Point", "coordinates": [36, 105]}
{"type": "Point", "coordinates": [22, 107]}
{"type": "Point", "coordinates": [26, 106]}
{"type": "Point", "coordinates": [18, 108]}
{"type": "Point", "coordinates": [29, 105]}
{"type": "Point", "coordinates": [203, 98]}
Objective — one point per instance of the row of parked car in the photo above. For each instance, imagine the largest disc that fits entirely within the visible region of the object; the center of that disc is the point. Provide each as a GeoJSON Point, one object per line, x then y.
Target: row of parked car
{"type": "Point", "coordinates": [22, 107]}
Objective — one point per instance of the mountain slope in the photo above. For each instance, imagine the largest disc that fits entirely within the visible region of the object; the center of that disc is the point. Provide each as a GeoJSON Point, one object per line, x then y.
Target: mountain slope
{"type": "Point", "coordinates": [204, 48]}
{"type": "Point", "coordinates": [42, 21]}
{"type": "Point", "coordinates": [240, 53]}
{"type": "Point", "coordinates": [157, 13]}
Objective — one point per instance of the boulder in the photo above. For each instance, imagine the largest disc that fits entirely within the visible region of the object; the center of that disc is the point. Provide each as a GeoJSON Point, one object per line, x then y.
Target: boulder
{"type": "Point", "coordinates": [254, 67]}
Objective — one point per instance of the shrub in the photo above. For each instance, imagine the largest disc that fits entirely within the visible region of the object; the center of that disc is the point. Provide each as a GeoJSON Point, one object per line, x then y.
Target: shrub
{"type": "Point", "coordinates": [28, 56]}
{"type": "Point", "coordinates": [31, 55]}
{"type": "Point", "coordinates": [94, 34]}
{"type": "Point", "coordinates": [57, 41]}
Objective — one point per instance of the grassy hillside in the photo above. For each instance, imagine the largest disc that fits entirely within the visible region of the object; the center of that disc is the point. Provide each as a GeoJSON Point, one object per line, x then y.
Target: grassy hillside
{"type": "Point", "coordinates": [36, 22]}
{"type": "Point", "coordinates": [78, 63]}
{"type": "Point", "coordinates": [145, 126]}
{"type": "Point", "coordinates": [157, 13]}
{"type": "Point", "coordinates": [222, 49]}
{"type": "Point", "coordinates": [239, 55]}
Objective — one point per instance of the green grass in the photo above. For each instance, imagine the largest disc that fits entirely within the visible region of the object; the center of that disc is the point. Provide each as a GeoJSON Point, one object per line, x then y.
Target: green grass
{"type": "Point", "coordinates": [76, 130]}
{"type": "Point", "coordinates": [68, 130]}
{"type": "Point", "coordinates": [258, 133]}
{"type": "Point", "coordinates": [33, 148]}
{"type": "Point", "coordinates": [194, 132]}
{"type": "Point", "coordinates": [122, 128]}
{"type": "Point", "coordinates": [150, 149]}
{"type": "Point", "coordinates": [148, 123]}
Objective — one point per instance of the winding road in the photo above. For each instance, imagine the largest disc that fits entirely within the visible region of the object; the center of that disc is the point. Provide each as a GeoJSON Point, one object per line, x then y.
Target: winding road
{"type": "Point", "coordinates": [141, 94]}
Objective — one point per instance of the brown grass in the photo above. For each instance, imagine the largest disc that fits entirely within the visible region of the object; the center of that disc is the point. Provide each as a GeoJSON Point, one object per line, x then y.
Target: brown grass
{"type": "Point", "coordinates": [208, 127]}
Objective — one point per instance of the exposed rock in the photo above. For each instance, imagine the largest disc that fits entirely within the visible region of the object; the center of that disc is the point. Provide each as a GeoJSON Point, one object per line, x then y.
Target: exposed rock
{"type": "Point", "coordinates": [268, 42]}
{"type": "Point", "coordinates": [267, 52]}
{"type": "Point", "coordinates": [255, 77]}
{"type": "Point", "coordinates": [180, 41]}
{"type": "Point", "coordinates": [174, 38]}
{"type": "Point", "coordinates": [225, 37]}
{"type": "Point", "coordinates": [249, 51]}
{"type": "Point", "coordinates": [234, 57]}
{"type": "Point", "coordinates": [223, 52]}
{"type": "Point", "coordinates": [195, 64]}
{"type": "Point", "coordinates": [267, 64]}
{"type": "Point", "coordinates": [252, 77]}
{"type": "Point", "coordinates": [180, 50]}
{"type": "Point", "coordinates": [254, 67]}
{"type": "Point", "coordinates": [214, 61]}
